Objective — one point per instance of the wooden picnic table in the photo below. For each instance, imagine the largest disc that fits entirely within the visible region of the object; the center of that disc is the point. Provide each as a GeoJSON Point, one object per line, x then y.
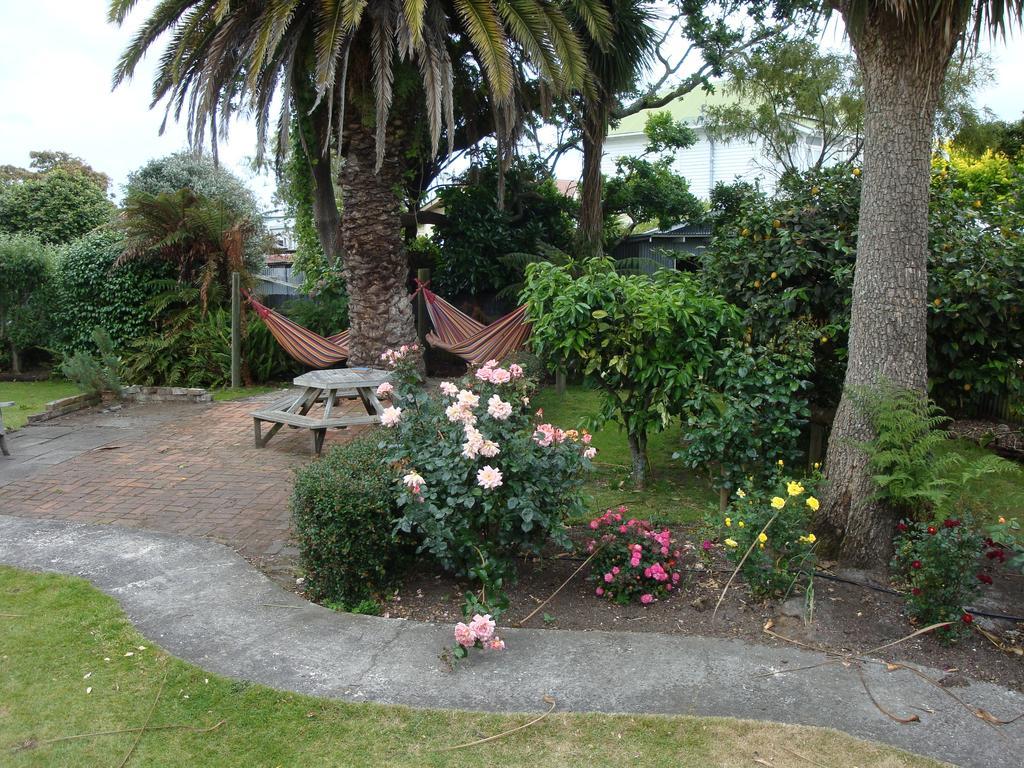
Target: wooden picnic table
{"type": "Point", "coordinates": [322, 390]}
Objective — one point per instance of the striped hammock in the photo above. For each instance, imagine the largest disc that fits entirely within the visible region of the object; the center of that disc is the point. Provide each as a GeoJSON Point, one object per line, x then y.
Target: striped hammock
{"type": "Point", "coordinates": [460, 334]}
{"type": "Point", "coordinates": [304, 345]}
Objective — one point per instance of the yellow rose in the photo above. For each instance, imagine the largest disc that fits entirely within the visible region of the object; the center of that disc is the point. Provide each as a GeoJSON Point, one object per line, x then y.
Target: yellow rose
{"type": "Point", "coordinates": [761, 537]}
{"type": "Point", "coordinates": [794, 489]}
{"type": "Point", "coordinates": [741, 524]}
{"type": "Point", "coordinates": [781, 463]}
{"type": "Point", "coordinates": [731, 543]}
{"type": "Point", "coordinates": [728, 522]}
{"type": "Point", "coordinates": [810, 538]}
{"type": "Point", "coordinates": [817, 465]}
{"type": "Point", "coordinates": [813, 503]}
{"type": "Point", "coordinates": [778, 502]}
{"type": "Point", "coordinates": [1002, 521]}
{"type": "Point", "coordinates": [741, 493]}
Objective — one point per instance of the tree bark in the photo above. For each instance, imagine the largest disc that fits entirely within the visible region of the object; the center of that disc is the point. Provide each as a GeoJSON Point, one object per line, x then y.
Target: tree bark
{"type": "Point", "coordinates": [374, 264]}
{"type": "Point", "coordinates": [902, 79]}
{"type": "Point", "coordinates": [638, 452]}
{"type": "Point", "coordinates": [590, 230]}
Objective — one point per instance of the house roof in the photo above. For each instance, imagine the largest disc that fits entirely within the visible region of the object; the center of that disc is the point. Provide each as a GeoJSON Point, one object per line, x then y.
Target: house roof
{"type": "Point", "coordinates": [679, 230]}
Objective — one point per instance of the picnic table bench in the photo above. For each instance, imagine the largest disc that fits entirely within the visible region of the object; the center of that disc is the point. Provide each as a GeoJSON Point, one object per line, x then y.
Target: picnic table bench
{"type": "Point", "coordinates": [323, 390]}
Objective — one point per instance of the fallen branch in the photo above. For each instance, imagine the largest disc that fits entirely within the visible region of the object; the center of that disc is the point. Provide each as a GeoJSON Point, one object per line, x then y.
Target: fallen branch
{"type": "Point", "coordinates": [152, 709]}
{"type": "Point", "coordinates": [879, 707]}
{"type": "Point", "coordinates": [547, 700]}
{"type": "Point", "coordinates": [739, 565]}
{"type": "Point", "coordinates": [552, 595]}
{"type": "Point", "coordinates": [119, 732]}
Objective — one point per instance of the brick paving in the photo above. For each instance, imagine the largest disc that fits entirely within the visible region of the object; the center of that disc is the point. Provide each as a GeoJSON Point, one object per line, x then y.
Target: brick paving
{"type": "Point", "coordinates": [185, 469]}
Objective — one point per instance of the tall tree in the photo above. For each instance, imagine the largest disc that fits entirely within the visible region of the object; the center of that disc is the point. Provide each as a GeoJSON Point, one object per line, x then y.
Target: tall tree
{"type": "Point", "coordinates": [360, 59]}
{"type": "Point", "coordinates": [904, 48]}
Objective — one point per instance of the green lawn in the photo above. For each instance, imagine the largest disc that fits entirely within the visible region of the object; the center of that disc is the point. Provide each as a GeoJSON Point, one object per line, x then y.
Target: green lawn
{"type": "Point", "coordinates": [237, 393]}
{"type": "Point", "coordinates": [673, 495]}
{"type": "Point", "coordinates": [31, 397]}
{"type": "Point", "coordinates": [72, 664]}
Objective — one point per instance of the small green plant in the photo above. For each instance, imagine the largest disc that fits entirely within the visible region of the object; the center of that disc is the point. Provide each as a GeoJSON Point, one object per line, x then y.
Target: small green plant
{"type": "Point", "coordinates": [344, 513]}
{"type": "Point", "coordinates": [95, 373]}
{"type": "Point", "coordinates": [912, 474]}
{"type": "Point", "coordinates": [766, 533]}
{"type": "Point", "coordinates": [939, 562]}
{"type": "Point", "coordinates": [1005, 542]}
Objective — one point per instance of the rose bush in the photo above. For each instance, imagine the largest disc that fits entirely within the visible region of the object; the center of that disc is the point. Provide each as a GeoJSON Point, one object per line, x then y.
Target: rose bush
{"type": "Point", "coordinates": [481, 481]}
{"type": "Point", "coordinates": [939, 561]}
{"type": "Point", "coordinates": [633, 561]}
{"type": "Point", "coordinates": [772, 521]}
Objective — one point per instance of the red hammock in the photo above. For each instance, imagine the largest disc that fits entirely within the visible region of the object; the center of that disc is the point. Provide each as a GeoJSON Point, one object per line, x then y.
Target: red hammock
{"type": "Point", "coordinates": [304, 345]}
{"type": "Point", "coordinates": [463, 336]}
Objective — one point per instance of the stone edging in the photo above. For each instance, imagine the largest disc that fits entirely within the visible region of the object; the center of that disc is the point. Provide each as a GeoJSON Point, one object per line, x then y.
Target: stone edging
{"type": "Point", "coordinates": [65, 405]}
{"type": "Point", "coordinates": [166, 395]}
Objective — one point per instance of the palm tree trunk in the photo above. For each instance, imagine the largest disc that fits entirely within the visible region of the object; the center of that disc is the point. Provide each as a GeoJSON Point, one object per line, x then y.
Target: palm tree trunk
{"type": "Point", "coordinates": [375, 266]}
{"type": "Point", "coordinates": [590, 231]}
{"type": "Point", "coordinates": [325, 206]}
{"type": "Point", "coordinates": [902, 79]}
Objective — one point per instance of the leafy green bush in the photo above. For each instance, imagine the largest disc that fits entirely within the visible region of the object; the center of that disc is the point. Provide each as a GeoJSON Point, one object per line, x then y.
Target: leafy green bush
{"type": "Point", "coordinates": [476, 235]}
{"type": "Point", "coordinates": [92, 293]}
{"type": "Point", "coordinates": [25, 277]}
{"type": "Point", "coordinates": [206, 179]}
{"type": "Point", "coordinates": [766, 532]}
{"type": "Point", "coordinates": [483, 484]}
{"type": "Point", "coordinates": [645, 341]}
{"type": "Point", "coordinates": [325, 314]}
{"type": "Point", "coordinates": [939, 562]}
{"type": "Point", "coordinates": [57, 206]}
{"type": "Point", "coordinates": [790, 257]}
{"type": "Point", "coordinates": [749, 408]}
{"type": "Point", "coordinates": [344, 512]}
{"type": "Point", "coordinates": [95, 373]}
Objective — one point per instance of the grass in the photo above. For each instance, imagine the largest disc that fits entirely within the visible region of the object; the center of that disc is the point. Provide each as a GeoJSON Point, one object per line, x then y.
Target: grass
{"type": "Point", "coordinates": [31, 397]}
{"type": "Point", "coordinates": [237, 393]}
{"type": "Point", "coordinates": [673, 495]}
{"type": "Point", "coordinates": [65, 670]}
{"type": "Point", "coordinates": [994, 496]}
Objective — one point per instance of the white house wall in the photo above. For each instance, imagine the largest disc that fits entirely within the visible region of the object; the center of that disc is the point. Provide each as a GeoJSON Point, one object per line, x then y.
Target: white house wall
{"type": "Point", "coordinates": [704, 164]}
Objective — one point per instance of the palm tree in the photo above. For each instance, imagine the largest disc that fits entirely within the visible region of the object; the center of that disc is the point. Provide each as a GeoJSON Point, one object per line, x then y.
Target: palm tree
{"type": "Point", "coordinates": [904, 48]}
{"type": "Point", "coordinates": [358, 58]}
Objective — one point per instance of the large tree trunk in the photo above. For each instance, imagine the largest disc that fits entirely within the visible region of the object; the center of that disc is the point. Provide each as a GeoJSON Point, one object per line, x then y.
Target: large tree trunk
{"type": "Point", "coordinates": [375, 266]}
{"type": "Point", "coordinates": [590, 231]}
{"type": "Point", "coordinates": [325, 206]}
{"type": "Point", "coordinates": [902, 78]}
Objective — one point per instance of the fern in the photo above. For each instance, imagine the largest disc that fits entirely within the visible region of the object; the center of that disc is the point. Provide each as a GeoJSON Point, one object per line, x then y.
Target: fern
{"type": "Point", "coordinates": [909, 466]}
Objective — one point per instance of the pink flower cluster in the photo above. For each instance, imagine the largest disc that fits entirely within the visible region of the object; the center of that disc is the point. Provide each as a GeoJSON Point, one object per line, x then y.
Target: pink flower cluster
{"type": "Point", "coordinates": [493, 374]}
{"type": "Point", "coordinates": [548, 434]}
{"type": "Point", "coordinates": [631, 559]}
{"type": "Point", "coordinates": [392, 356]}
{"type": "Point", "coordinates": [479, 633]}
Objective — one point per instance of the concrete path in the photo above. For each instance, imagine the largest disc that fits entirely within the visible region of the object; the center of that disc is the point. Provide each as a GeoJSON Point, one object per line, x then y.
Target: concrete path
{"type": "Point", "coordinates": [205, 604]}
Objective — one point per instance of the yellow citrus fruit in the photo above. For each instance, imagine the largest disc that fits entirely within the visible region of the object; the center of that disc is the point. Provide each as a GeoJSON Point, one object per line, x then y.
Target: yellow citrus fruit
{"type": "Point", "coordinates": [815, 190]}
{"type": "Point", "coordinates": [776, 223]}
{"type": "Point", "coordinates": [937, 302]}
{"type": "Point", "coordinates": [745, 232]}
{"type": "Point", "coordinates": [977, 203]}
{"type": "Point", "coordinates": [774, 275]}
{"type": "Point", "coordinates": [824, 339]}
{"type": "Point", "coordinates": [967, 387]}
{"type": "Point", "coordinates": [856, 171]}
{"type": "Point", "coordinates": [757, 283]}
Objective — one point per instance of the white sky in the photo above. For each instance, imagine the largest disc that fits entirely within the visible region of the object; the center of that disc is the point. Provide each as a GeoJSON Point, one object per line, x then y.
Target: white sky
{"type": "Point", "coordinates": [56, 61]}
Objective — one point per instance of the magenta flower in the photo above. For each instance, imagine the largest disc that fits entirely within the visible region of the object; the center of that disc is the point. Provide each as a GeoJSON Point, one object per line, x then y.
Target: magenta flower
{"type": "Point", "coordinates": [647, 598]}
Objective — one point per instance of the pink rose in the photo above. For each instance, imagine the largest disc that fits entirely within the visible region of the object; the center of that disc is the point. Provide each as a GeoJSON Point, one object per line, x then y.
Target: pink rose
{"type": "Point", "coordinates": [615, 570]}
{"type": "Point", "coordinates": [482, 627]}
{"type": "Point", "coordinates": [594, 524]}
{"type": "Point", "coordinates": [647, 599]}
{"type": "Point", "coordinates": [599, 591]}
{"type": "Point", "coordinates": [500, 376]}
{"type": "Point", "coordinates": [496, 644]}
{"type": "Point", "coordinates": [516, 371]}
{"type": "Point", "coordinates": [464, 635]}
{"type": "Point", "coordinates": [609, 578]}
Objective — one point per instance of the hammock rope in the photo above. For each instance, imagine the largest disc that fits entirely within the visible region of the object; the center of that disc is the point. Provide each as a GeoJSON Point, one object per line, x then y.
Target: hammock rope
{"type": "Point", "coordinates": [454, 331]}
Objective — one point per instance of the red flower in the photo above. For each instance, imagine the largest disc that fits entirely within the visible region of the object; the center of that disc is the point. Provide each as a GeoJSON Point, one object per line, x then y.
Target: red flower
{"type": "Point", "coordinates": [996, 554]}
{"type": "Point", "coordinates": [932, 530]}
{"type": "Point", "coordinates": [967, 618]}
{"type": "Point", "coordinates": [915, 591]}
{"type": "Point", "coordinates": [902, 528]}
{"type": "Point", "coordinates": [984, 578]}
{"type": "Point", "coordinates": [951, 523]}
{"type": "Point", "coordinates": [916, 564]}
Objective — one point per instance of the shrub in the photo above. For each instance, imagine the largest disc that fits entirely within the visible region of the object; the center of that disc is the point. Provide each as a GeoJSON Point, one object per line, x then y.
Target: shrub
{"type": "Point", "coordinates": [57, 206]}
{"type": "Point", "coordinates": [93, 292]}
{"type": "Point", "coordinates": [482, 483]}
{"type": "Point", "coordinates": [95, 373]}
{"type": "Point", "coordinates": [644, 341]}
{"type": "Point", "coordinates": [766, 532]}
{"type": "Point", "coordinates": [748, 409]}
{"type": "Point", "coordinates": [344, 512]}
{"type": "Point", "coordinates": [326, 314]}
{"type": "Point", "coordinates": [205, 178]}
{"type": "Point", "coordinates": [25, 276]}
{"type": "Point", "coordinates": [1004, 540]}
{"type": "Point", "coordinates": [939, 562]}
{"type": "Point", "coordinates": [633, 561]}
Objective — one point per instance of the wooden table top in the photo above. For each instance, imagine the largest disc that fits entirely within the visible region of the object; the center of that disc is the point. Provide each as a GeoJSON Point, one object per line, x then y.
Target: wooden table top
{"type": "Point", "coordinates": [338, 378]}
